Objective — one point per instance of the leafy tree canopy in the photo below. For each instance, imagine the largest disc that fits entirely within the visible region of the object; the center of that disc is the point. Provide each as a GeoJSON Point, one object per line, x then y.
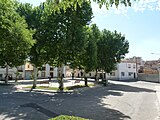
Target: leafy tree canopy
{"type": "Point", "coordinates": [65, 32]}
{"type": "Point", "coordinates": [112, 47]}
{"type": "Point", "coordinates": [67, 3]}
{"type": "Point", "coordinates": [16, 40]}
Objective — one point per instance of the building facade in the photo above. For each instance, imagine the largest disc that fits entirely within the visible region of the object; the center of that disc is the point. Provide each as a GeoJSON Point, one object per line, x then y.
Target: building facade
{"type": "Point", "coordinates": [127, 70]}
{"type": "Point", "coordinates": [11, 73]}
{"type": "Point", "coordinates": [124, 71]}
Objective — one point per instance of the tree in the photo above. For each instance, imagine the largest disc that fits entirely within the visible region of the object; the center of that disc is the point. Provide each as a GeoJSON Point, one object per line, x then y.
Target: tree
{"type": "Point", "coordinates": [109, 3]}
{"type": "Point", "coordinates": [90, 57]}
{"type": "Point", "coordinates": [65, 4]}
{"type": "Point", "coordinates": [16, 40]}
{"type": "Point", "coordinates": [17, 74]}
{"type": "Point", "coordinates": [34, 18]}
{"type": "Point", "coordinates": [66, 35]}
{"type": "Point", "coordinates": [59, 34]}
{"type": "Point", "coordinates": [95, 35]}
{"type": "Point", "coordinates": [112, 47]}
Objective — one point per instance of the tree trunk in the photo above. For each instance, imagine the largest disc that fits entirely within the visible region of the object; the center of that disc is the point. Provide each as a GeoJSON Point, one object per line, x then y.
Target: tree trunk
{"type": "Point", "coordinates": [103, 80]}
{"type": "Point", "coordinates": [85, 79]}
{"type": "Point", "coordinates": [34, 78]}
{"type": "Point", "coordinates": [16, 79]}
{"type": "Point", "coordinates": [102, 76]}
{"type": "Point", "coordinates": [81, 75]}
{"type": "Point", "coordinates": [73, 74]}
{"type": "Point", "coordinates": [96, 76]}
{"type": "Point", "coordinates": [60, 77]}
{"type": "Point", "coordinates": [6, 77]}
{"type": "Point", "coordinates": [106, 79]}
{"type": "Point", "coordinates": [17, 74]}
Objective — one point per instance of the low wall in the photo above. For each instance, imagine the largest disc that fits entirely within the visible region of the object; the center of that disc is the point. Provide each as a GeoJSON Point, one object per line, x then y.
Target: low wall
{"type": "Point", "coordinates": [148, 77]}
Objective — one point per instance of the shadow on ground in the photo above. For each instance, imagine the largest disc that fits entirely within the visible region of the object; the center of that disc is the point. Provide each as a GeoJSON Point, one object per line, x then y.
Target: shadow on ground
{"type": "Point", "coordinates": [86, 103]}
{"type": "Point", "coordinates": [128, 88]}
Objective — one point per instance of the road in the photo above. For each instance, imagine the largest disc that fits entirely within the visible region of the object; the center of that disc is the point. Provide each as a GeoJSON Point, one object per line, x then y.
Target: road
{"type": "Point", "coordinates": [119, 101]}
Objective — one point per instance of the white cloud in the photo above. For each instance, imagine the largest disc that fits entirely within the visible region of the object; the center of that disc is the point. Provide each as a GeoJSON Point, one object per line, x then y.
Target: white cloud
{"type": "Point", "coordinates": [97, 10]}
{"type": "Point", "coordinates": [137, 6]}
{"type": "Point", "coordinates": [150, 7]}
{"type": "Point", "coordinates": [146, 5]}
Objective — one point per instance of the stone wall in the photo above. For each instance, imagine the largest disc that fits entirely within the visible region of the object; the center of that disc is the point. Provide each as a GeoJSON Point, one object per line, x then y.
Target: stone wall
{"type": "Point", "coordinates": [148, 77]}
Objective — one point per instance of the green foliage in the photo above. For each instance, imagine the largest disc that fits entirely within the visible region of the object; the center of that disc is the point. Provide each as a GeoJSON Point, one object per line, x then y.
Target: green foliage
{"type": "Point", "coordinates": [34, 18]}
{"type": "Point", "coordinates": [66, 117]}
{"type": "Point", "coordinates": [58, 34]}
{"type": "Point", "coordinates": [65, 32]}
{"type": "Point", "coordinates": [56, 88]}
{"type": "Point", "coordinates": [89, 56]}
{"type": "Point", "coordinates": [16, 40]}
{"type": "Point", "coordinates": [108, 3]}
{"type": "Point", "coordinates": [112, 47]}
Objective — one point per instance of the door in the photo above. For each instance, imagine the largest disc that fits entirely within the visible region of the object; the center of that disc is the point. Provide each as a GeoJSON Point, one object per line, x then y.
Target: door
{"type": "Point", "coordinates": [134, 75]}
{"type": "Point", "coordinates": [51, 74]}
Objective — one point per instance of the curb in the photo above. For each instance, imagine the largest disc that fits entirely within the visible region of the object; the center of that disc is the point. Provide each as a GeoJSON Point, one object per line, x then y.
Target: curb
{"type": "Point", "coordinates": [46, 91]}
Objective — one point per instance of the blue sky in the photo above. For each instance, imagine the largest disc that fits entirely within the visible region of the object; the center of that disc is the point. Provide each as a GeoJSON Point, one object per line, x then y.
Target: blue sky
{"type": "Point", "coordinates": [140, 24]}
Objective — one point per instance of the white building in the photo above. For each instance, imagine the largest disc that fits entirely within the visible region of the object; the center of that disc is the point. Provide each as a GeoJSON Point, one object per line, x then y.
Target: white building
{"type": "Point", "coordinates": [45, 72]}
{"type": "Point", "coordinates": [125, 70]}
{"type": "Point", "coordinates": [11, 72]}
{"type": "Point", "coordinates": [26, 71]}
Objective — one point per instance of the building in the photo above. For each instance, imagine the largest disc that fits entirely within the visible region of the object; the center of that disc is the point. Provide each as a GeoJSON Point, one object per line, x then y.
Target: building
{"type": "Point", "coordinates": [11, 72]}
{"type": "Point", "coordinates": [127, 70]}
{"type": "Point", "coordinates": [26, 72]}
{"type": "Point", "coordinates": [139, 62]}
{"type": "Point", "coordinates": [44, 72]}
{"type": "Point", "coordinates": [151, 67]}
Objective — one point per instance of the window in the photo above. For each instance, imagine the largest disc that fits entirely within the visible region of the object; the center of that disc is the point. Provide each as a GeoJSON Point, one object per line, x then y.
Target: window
{"type": "Point", "coordinates": [28, 66]}
{"type": "Point", "coordinates": [20, 76]}
{"type": "Point", "coordinates": [1, 75]}
{"type": "Point", "coordinates": [44, 68]}
{"type": "Point", "coordinates": [129, 65]}
{"type": "Point", "coordinates": [122, 74]}
{"type": "Point", "coordinates": [43, 74]}
{"type": "Point", "coordinates": [112, 74]}
{"type": "Point", "coordinates": [134, 66]}
{"type": "Point", "coordinates": [51, 68]}
{"type": "Point", "coordinates": [130, 73]}
{"type": "Point", "coordinates": [90, 74]}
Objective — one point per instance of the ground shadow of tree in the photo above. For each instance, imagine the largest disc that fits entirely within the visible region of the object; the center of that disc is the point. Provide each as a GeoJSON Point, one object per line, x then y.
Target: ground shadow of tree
{"type": "Point", "coordinates": [128, 88]}
{"type": "Point", "coordinates": [86, 103]}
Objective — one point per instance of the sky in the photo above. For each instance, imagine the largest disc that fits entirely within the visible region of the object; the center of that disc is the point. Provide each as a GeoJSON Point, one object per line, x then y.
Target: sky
{"type": "Point", "coordinates": [140, 24]}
